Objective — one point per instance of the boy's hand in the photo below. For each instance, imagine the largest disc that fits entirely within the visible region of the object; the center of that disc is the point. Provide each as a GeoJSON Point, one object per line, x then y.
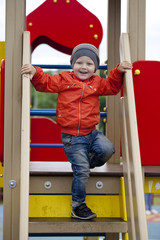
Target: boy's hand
{"type": "Point", "coordinates": [123, 66]}
{"type": "Point", "coordinates": [28, 69]}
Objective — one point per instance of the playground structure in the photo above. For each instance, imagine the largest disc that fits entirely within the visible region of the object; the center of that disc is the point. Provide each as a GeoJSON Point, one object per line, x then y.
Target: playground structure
{"type": "Point", "coordinates": [109, 180]}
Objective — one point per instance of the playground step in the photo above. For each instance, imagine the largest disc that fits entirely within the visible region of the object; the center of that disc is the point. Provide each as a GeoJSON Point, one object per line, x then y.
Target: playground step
{"type": "Point", "coordinates": [50, 191]}
{"type": "Point", "coordinates": [50, 200]}
{"type": "Point", "coordinates": [56, 178]}
{"type": "Point", "coordinates": [64, 168]}
{"type": "Point", "coordinates": [66, 225]}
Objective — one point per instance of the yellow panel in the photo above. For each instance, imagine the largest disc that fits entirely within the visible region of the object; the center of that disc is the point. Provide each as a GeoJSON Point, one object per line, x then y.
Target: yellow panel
{"type": "Point", "coordinates": [49, 206]}
{"type": "Point", "coordinates": [2, 50]}
{"type": "Point", "coordinates": [152, 185]}
{"type": "Point", "coordinates": [125, 236]}
{"type": "Point", "coordinates": [104, 205]}
{"type": "Point", "coordinates": [122, 199]}
{"type": "Point", "coordinates": [1, 175]}
{"type": "Point", "coordinates": [60, 205]}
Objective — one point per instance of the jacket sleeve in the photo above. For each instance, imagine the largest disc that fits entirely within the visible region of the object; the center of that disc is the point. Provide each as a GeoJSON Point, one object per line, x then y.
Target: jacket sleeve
{"type": "Point", "coordinates": [44, 82]}
{"type": "Point", "coordinates": [112, 84]}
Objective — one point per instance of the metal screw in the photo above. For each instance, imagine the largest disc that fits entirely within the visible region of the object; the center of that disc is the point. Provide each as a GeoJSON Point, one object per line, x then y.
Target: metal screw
{"type": "Point", "coordinates": [99, 185]}
{"type": "Point", "coordinates": [47, 185]}
{"type": "Point", "coordinates": [12, 184]}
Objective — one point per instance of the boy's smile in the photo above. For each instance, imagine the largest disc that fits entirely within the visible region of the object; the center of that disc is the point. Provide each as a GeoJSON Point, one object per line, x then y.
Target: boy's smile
{"type": "Point", "coordinates": [84, 68]}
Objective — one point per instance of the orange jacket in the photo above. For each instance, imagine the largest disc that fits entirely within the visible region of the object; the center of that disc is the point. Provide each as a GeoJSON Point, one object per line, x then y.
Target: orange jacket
{"type": "Point", "coordinates": [78, 108]}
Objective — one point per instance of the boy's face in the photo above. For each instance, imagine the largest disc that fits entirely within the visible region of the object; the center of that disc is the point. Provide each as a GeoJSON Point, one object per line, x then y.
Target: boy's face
{"type": "Point", "coordinates": [84, 68]}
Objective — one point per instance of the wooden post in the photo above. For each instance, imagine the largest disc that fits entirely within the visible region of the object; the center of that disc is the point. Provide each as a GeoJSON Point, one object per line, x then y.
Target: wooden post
{"type": "Point", "coordinates": [114, 23]}
{"type": "Point", "coordinates": [25, 143]}
{"type": "Point", "coordinates": [134, 158]}
{"type": "Point", "coordinates": [15, 25]}
{"type": "Point", "coordinates": [136, 25]}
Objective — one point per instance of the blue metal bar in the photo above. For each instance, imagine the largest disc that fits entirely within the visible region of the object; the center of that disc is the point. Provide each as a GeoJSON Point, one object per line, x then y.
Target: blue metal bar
{"type": "Point", "coordinates": [66, 234]}
{"type": "Point", "coordinates": [52, 112]}
{"type": "Point", "coordinates": [103, 114]}
{"type": "Point", "coordinates": [50, 145]}
{"type": "Point", "coordinates": [43, 112]}
{"type": "Point", "coordinates": [48, 66]}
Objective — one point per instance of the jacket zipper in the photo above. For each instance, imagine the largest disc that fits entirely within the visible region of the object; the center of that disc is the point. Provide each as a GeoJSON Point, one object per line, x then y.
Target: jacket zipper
{"type": "Point", "coordinates": [80, 109]}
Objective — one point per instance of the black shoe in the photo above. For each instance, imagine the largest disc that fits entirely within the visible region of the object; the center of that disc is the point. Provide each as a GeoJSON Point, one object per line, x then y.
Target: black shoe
{"type": "Point", "coordinates": [83, 212]}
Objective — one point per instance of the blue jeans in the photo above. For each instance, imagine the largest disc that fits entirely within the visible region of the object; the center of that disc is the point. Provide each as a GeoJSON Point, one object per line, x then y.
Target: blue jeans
{"type": "Point", "coordinates": [83, 152]}
{"type": "Point", "coordinates": [148, 201]}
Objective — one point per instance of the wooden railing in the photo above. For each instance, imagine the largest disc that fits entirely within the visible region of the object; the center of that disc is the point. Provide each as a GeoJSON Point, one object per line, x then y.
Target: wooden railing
{"type": "Point", "coordinates": [137, 224]}
{"type": "Point", "coordinates": [25, 143]}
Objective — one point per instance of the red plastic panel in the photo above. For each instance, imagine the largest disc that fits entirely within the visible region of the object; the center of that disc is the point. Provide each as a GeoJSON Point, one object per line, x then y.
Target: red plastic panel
{"type": "Point", "coordinates": [63, 24]}
{"type": "Point", "coordinates": [147, 98]}
{"type": "Point", "coordinates": [45, 130]}
{"type": "Point", "coordinates": [2, 111]}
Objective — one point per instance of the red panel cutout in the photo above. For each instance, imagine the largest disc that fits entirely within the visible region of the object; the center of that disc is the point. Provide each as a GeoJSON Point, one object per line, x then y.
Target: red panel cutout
{"type": "Point", "coordinates": [147, 98]}
{"type": "Point", "coordinates": [63, 24]}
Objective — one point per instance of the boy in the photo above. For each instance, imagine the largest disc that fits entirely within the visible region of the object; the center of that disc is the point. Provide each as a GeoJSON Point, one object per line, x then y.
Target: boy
{"type": "Point", "coordinates": [78, 112]}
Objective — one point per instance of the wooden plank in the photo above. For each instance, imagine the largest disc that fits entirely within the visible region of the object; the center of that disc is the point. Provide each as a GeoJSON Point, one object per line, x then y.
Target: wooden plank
{"type": "Point", "coordinates": [15, 23]}
{"type": "Point", "coordinates": [64, 168]}
{"type": "Point", "coordinates": [62, 185]}
{"type": "Point", "coordinates": [137, 28]}
{"type": "Point", "coordinates": [133, 146]}
{"type": "Point", "coordinates": [25, 142]}
{"type": "Point", "coordinates": [112, 102]}
{"type": "Point", "coordinates": [66, 225]}
{"type": "Point", "coordinates": [7, 192]}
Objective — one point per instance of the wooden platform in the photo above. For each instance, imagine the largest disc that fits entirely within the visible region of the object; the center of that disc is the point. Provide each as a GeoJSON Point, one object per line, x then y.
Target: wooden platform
{"type": "Point", "coordinates": [64, 168]}
{"type": "Point", "coordinates": [66, 225]}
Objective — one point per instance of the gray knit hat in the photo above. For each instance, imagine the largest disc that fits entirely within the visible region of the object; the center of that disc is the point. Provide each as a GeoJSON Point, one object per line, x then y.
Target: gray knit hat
{"type": "Point", "coordinates": [85, 49]}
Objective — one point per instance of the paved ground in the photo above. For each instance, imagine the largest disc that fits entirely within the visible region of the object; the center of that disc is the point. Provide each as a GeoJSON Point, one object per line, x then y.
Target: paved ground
{"type": "Point", "coordinates": [153, 228]}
